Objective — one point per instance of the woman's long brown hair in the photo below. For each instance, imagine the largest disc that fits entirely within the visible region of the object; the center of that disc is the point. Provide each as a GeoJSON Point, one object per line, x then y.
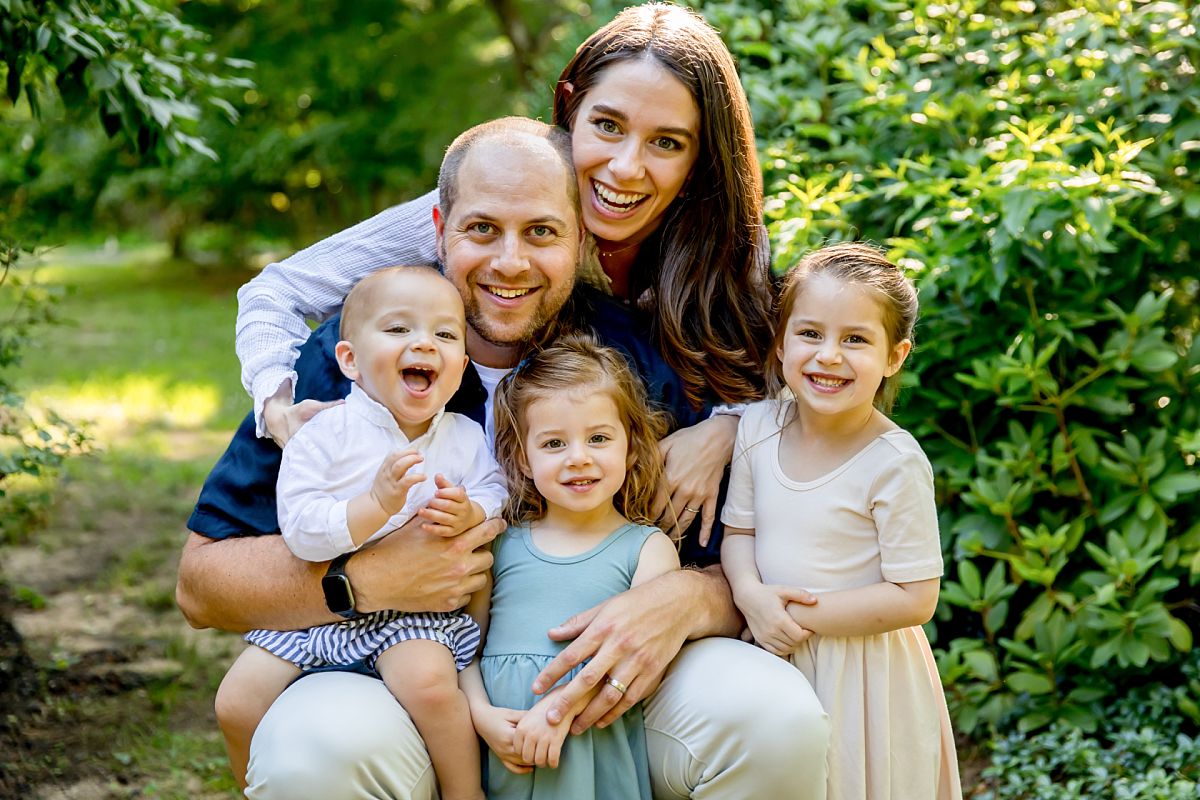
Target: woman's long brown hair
{"type": "Point", "coordinates": [707, 265]}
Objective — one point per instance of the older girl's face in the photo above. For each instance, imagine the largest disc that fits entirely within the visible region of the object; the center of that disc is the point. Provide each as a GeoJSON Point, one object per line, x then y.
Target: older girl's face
{"type": "Point", "coordinates": [635, 139]}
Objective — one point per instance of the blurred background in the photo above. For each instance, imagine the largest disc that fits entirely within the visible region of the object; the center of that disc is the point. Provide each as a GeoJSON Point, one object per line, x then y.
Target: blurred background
{"type": "Point", "coordinates": [1031, 165]}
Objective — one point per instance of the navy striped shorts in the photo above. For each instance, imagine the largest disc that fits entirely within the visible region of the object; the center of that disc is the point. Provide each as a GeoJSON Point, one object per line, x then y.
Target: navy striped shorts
{"type": "Point", "coordinates": [364, 638]}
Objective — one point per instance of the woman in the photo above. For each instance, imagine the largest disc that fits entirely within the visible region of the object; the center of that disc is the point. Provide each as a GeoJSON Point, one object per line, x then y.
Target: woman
{"type": "Point", "coordinates": [670, 188]}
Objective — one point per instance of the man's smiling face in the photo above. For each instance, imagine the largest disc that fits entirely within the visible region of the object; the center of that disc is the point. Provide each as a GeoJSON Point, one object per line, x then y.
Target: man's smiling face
{"type": "Point", "coordinates": [510, 244]}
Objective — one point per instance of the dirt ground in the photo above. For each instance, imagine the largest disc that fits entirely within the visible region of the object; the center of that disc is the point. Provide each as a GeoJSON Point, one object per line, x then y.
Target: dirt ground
{"type": "Point", "coordinates": [106, 691]}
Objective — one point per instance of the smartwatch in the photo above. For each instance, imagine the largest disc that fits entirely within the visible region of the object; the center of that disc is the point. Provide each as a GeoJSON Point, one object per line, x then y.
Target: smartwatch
{"type": "Point", "coordinates": [339, 596]}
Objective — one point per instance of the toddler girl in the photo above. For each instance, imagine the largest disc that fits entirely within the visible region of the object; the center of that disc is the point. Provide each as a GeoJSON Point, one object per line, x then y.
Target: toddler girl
{"type": "Point", "coordinates": [579, 447]}
{"type": "Point", "coordinates": [828, 494]}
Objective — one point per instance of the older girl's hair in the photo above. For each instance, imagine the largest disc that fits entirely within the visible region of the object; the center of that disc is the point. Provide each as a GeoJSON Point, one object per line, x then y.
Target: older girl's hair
{"type": "Point", "coordinates": [861, 265]}
{"type": "Point", "coordinates": [708, 264]}
{"type": "Point", "coordinates": [576, 365]}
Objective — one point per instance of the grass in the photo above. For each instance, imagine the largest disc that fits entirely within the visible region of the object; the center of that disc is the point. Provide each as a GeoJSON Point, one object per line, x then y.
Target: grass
{"type": "Point", "coordinates": [145, 358]}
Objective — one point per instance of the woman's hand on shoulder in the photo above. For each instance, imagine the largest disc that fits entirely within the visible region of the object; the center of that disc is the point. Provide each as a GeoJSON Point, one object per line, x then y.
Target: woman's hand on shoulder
{"type": "Point", "coordinates": [283, 418]}
{"type": "Point", "coordinates": [695, 459]}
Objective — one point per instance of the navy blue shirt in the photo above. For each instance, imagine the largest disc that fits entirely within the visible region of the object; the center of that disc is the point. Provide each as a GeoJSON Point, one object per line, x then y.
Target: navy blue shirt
{"type": "Point", "coordinates": [238, 498]}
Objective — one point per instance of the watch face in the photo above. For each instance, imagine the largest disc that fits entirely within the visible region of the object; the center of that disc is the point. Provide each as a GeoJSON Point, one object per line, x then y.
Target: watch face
{"type": "Point", "coordinates": [338, 597]}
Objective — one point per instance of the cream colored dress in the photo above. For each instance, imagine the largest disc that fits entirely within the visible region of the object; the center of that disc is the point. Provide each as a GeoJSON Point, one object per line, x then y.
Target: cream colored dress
{"type": "Point", "coordinates": [870, 520]}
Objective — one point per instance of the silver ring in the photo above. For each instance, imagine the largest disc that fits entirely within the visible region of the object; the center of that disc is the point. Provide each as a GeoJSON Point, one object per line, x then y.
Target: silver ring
{"type": "Point", "coordinates": [616, 684]}
{"type": "Point", "coordinates": [692, 510]}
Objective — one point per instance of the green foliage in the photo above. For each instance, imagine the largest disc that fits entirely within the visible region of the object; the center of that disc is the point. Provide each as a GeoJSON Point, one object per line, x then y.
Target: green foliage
{"type": "Point", "coordinates": [1146, 749]}
{"type": "Point", "coordinates": [146, 73]}
{"type": "Point", "coordinates": [1032, 167]}
{"type": "Point", "coordinates": [353, 105]}
{"type": "Point", "coordinates": [29, 445]}
{"type": "Point", "coordinates": [148, 76]}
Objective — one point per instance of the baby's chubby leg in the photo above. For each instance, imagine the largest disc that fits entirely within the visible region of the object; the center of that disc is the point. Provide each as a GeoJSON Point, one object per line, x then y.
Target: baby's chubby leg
{"type": "Point", "coordinates": [252, 684]}
{"type": "Point", "coordinates": [422, 676]}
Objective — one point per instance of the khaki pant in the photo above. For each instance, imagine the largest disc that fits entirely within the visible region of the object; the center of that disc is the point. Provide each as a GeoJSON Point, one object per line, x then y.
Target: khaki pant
{"type": "Point", "coordinates": [729, 722]}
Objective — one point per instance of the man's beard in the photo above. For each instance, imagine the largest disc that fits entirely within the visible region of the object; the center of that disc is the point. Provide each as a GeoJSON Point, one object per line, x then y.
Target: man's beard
{"type": "Point", "coordinates": [547, 309]}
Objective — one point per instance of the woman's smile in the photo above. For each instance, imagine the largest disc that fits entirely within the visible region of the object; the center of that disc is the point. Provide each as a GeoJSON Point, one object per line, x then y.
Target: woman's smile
{"type": "Point", "coordinates": [635, 139]}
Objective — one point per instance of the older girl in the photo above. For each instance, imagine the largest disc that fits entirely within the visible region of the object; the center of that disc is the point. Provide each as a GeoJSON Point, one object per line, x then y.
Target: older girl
{"type": "Point", "coordinates": [868, 546]}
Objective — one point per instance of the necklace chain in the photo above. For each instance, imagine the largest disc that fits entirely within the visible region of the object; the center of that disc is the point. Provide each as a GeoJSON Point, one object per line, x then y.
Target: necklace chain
{"type": "Point", "coordinates": [609, 253]}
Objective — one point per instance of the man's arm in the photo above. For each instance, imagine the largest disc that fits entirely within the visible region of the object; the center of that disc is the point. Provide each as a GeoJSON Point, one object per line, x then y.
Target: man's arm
{"type": "Point", "coordinates": [241, 583]}
{"type": "Point", "coordinates": [248, 582]}
{"type": "Point", "coordinates": [273, 306]}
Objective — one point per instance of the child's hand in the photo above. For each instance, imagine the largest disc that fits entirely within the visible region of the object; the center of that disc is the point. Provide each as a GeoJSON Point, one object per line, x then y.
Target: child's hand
{"type": "Point", "coordinates": [765, 609]}
{"type": "Point", "coordinates": [497, 726]}
{"type": "Point", "coordinates": [538, 742]}
{"type": "Point", "coordinates": [450, 512]}
{"type": "Point", "coordinates": [394, 478]}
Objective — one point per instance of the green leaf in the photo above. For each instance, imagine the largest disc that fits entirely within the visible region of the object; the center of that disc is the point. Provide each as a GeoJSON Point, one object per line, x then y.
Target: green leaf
{"type": "Point", "coordinates": [996, 615]}
{"type": "Point", "coordinates": [1155, 360]}
{"type": "Point", "coordinates": [101, 77]}
{"type": "Point", "coordinates": [968, 576]}
{"type": "Point", "coordinates": [1029, 683]}
{"type": "Point", "coordinates": [1180, 635]}
{"type": "Point", "coordinates": [1017, 206]}
{"type": "Point", "coordinates": [1179, 483]}
{"type": "Point", "coordinates": [982, 664]}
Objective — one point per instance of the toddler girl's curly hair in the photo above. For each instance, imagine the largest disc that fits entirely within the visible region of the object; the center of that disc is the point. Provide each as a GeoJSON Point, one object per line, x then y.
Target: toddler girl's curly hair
{"type": "Point", "coordinates": [577, 366]}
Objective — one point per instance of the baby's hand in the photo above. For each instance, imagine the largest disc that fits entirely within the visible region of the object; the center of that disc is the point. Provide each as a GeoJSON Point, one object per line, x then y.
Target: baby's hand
{"type": "Point", "coordinates": [450, 512]}
{"type": "Point", "coordinates": [394, 478]}
{"type": "Point", "coordinates": [497, 726]}
{"type": "Point", "coordinates": [538, 742]}
{"type": "Point", "coordinates": [765, 609]}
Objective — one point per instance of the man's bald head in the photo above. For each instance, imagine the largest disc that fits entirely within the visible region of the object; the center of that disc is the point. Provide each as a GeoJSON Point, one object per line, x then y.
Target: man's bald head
{"type": "Point", "coordinates": [506, 132]}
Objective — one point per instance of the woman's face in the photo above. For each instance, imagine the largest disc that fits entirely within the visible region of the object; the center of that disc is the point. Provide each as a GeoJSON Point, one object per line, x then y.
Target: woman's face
{"type": "Point", "coordinates": [635, 138]}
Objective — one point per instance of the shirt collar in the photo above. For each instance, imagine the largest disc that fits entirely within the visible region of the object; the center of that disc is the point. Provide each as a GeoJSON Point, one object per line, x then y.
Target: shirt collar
{"type": "Point", "coordinates": [360, 403]}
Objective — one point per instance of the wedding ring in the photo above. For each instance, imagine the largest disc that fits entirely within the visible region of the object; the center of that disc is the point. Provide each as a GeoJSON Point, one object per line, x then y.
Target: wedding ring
{"type": "Point", "coordinates": [691, 510]}
{"type": "Point", "coordinates": [616, 684]}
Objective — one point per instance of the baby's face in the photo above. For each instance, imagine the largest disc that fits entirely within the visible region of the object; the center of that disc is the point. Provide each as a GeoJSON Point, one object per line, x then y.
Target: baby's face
{"type": "Point", "coordinates": [408, 352]}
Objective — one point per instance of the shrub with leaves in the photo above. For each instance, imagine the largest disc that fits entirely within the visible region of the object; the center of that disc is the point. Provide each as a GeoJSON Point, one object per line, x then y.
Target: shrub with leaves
{"type": "Point", "coordinates": [29, 445]}
{"type": "Point", "coordinates": [1033, 167]}
{"type": "Point", "coordinates": [149, 78]}
{"type": "Point", "coordinates": [1145, 749]}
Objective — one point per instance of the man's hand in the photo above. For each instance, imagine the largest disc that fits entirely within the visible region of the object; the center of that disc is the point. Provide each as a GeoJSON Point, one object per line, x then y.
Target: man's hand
{"type": "Point", "coordinates": [695, 459]}
{"type": "Point", "coordinates": [765, 609]}
{"type": "Point", "coordinates": [282, 418]}
{"type": "Point", "coordinates": [416, 570]}
{"type": "Point", "coordinates": [631, 637]}
{"type": "Point", "coordinates": [450, 512]}
{"type": "Point", "coordinates": [394, 478]}
{"type": "Point", "coordinates": [498, 726]}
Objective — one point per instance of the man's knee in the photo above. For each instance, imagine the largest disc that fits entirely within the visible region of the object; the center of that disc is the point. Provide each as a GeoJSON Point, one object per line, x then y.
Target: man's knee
{"type": "Point", "coordinates": [767, 704]}
{"type": "Point", "coordinates": [338, 736]}
{"type": "Point", "coordinates": [732, 720]}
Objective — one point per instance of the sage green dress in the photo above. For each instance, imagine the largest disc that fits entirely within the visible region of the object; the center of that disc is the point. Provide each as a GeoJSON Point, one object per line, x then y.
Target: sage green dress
{"type": "Point", "coordinates": [534, 592]}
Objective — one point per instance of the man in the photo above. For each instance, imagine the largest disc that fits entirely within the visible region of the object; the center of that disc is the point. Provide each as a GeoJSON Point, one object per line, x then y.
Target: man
{"type": "Point", "coordinates": [728, 720]}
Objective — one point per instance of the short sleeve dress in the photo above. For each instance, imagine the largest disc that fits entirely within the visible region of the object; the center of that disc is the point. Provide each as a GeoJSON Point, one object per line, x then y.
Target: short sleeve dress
{"type": "Point", "coordinates": [533, 592]}
{"type": "Point", "coordinates": [871, 519]}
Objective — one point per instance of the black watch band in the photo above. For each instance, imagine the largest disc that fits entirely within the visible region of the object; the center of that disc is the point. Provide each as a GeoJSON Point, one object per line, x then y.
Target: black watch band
{"type": "Point", "coordinates": [339, 595]}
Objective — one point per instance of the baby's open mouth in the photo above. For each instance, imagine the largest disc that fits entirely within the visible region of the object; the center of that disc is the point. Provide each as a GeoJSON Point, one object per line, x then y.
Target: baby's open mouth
{"type": "Point", "coordinates": [418, 378]}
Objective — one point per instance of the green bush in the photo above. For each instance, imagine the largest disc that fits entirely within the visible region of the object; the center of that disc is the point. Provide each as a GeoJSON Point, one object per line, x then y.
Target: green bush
{"type": "Point", "coordinates": [1143, 751]}
{"type": "Point", "coordinates": [1033, 167]}
{"type": "Point", "coordinates": [148, 78]}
